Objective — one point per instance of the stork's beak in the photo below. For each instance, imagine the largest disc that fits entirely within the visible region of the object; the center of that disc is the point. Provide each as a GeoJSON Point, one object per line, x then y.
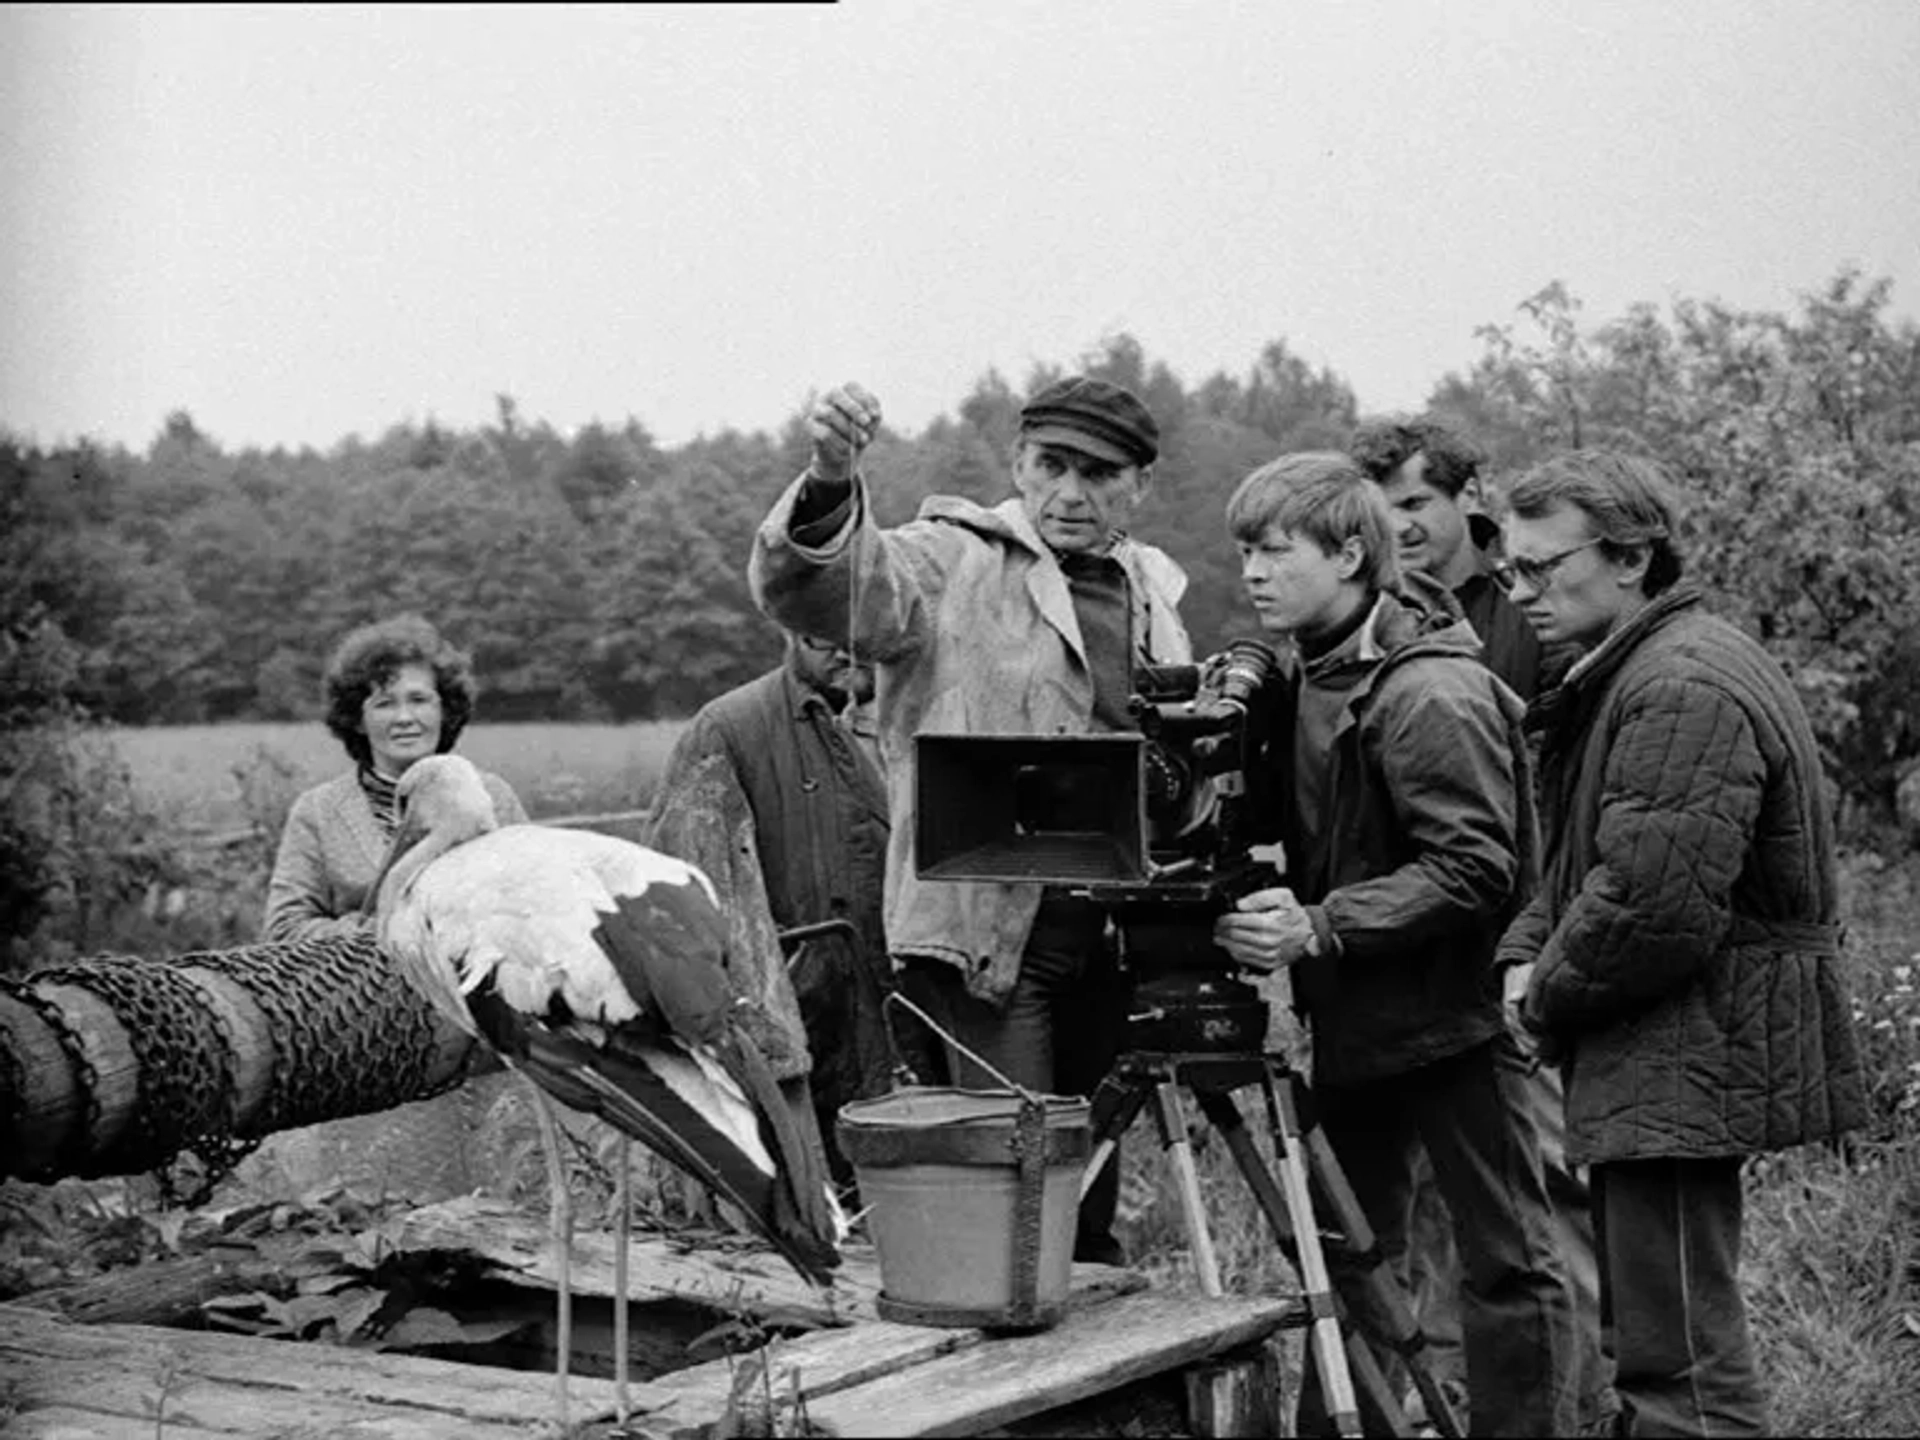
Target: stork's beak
{"type": "Point", "coordinates": [404, 839]}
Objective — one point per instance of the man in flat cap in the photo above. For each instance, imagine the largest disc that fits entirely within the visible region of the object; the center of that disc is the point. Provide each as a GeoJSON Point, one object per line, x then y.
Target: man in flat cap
{"type": "Point", "coordinates": [1026, 618]}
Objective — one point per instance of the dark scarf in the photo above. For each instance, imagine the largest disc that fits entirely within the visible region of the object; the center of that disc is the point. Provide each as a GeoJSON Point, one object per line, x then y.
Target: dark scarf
{"type": "Point", "coordinates": [380, 798]}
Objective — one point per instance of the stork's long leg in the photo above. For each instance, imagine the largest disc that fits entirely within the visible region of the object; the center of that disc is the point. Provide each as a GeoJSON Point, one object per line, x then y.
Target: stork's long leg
{"type": "Point", "coordinates": [622, 1233]}
{"type": "Point", "coordinates": [561, 1230]}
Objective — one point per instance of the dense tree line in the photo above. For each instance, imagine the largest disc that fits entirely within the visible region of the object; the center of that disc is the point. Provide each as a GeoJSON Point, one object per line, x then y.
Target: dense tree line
{"type": "Point", "coordinates": [593, 576]}
{"type": "Point", "coordinates": [598, 575]}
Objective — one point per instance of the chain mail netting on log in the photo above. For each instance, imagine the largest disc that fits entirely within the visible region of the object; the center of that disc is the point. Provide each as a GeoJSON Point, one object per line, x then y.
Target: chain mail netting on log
{"type": "Point", "coordinates": [349, 1036]}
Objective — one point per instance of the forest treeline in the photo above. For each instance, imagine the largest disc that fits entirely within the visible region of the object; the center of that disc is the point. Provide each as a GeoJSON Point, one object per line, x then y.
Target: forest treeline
{"type": "Point", "coordinates": [599, 575]}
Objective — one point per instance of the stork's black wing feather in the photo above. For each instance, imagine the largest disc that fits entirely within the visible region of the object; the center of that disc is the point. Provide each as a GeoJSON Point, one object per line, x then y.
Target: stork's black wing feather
{"type": "Point", "coordinates": [668, 943]}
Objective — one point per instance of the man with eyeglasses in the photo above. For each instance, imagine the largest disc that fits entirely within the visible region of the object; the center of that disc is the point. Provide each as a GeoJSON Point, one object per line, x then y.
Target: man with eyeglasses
{"type": "Point", "coordinates": [1429, 475]}
{"type": "Point", "coordinates": [1681, 959]}
{"type": "Point", "coordinates": [1393, 772]}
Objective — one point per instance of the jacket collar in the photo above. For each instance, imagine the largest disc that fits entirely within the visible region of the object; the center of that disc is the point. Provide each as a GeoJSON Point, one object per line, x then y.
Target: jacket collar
{"type": "Point", "coordinates": [1153, 577]}
{"type": "Point", "coordinates": [1589, 676]}
{"type": "Point", "coordinates": [1421, 618]}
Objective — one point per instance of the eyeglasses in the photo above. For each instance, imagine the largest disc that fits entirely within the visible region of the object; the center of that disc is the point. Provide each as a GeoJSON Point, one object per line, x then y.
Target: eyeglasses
{"type": "Point", "coordinates": [1537, 574]}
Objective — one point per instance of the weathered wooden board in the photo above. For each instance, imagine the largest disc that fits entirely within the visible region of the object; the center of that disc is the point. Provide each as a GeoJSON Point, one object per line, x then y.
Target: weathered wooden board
{"type": "Point", "coordinates": [869, 1377]}
{"type": "Point", "coordinates": [1100, 1348]}
{"type": "Point", "coordinates": [754, 1282]}
{"type": "Point", "coordinates": [826, 1362]}
{"type": "Point", "coordinates": [237, 1385]}
{"type": "Point", "coordinates": [165, 1292]}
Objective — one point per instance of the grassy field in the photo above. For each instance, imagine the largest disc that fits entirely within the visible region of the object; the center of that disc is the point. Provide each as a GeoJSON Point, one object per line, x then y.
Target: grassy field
{"type": "Point", "coordinates": [217, 777]}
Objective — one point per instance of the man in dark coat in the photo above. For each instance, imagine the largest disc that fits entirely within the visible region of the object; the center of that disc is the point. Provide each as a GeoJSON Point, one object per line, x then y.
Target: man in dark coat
{"type": "Point", "coordinates": [1395, 776]}
{"type": "Point", "coordinates": [1430, 477]}
{"type": "Point", "coordinates": [1682, 956]}
{"type": "Point", "coordinates": [774, 790]}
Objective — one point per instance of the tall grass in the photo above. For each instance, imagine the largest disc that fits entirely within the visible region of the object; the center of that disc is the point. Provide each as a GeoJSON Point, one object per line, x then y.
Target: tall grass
{"type": "Point", "coordinates": [198, 775]}
{"type": "Point", "coordinates": [160, 841]}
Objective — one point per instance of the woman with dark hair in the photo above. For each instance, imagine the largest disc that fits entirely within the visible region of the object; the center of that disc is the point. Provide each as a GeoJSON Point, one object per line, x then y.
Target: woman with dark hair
{"type": "Point", "coordinates": [396, 692]}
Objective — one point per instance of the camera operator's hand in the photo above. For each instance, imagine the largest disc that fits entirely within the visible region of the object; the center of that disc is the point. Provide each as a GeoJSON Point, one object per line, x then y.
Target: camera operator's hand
{"type": "Point", "coordinates": [842, 422]}
{"type": "Point", "coordinates": [1266, 930]}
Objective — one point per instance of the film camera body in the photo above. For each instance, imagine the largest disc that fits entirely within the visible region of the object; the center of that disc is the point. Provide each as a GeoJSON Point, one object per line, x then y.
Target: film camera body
{"type": "Point", "coordinates": [1151, 824]}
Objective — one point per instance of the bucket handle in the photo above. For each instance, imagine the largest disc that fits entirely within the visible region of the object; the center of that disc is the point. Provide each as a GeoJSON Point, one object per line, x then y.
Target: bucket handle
{"type": "Point", "coordinates": [894, 997]}
{"type": "Point", "coordinates": [1029, 1154]}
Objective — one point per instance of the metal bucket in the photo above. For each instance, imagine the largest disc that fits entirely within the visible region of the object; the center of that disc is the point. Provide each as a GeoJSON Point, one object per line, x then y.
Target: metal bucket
{"type": "Point", "coordinates": [973, 1196]}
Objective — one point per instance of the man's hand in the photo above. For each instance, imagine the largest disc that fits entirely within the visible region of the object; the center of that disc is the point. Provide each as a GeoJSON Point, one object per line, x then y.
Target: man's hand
{"type": "Point", "coordinates": [842, 421]}
{"type": "Point", "coordinates": [1513, 993]}
{"type": "Point", "coordinates": [1514, 981]}
{"type": "Point", "coordinates": [1266, 930]}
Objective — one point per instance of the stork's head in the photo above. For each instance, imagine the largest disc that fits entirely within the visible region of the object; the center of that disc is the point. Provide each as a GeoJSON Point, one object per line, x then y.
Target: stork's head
{"type": "Point", "coordinates": [442, 802]}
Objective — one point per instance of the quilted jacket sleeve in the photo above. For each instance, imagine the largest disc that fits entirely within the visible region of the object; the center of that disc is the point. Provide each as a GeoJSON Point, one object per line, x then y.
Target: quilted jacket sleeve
{"type": "Point", "coordinates": [1526, 935]}
{"type": "Point", "coordinates": [1681, 790]}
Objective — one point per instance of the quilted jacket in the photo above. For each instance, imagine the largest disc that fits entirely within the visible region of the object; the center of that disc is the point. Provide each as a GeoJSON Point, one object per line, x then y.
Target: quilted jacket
{"type": "Point", "coordinates": [971, 628]}
{"type": "Point", "coordinates": [1686, 934]}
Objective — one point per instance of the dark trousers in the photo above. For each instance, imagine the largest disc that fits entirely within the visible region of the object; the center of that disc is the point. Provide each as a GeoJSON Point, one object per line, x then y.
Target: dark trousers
{"type": "Point", "coordinates": [1469, 1111]}
{"type": "Point", "coordinates": [1668, 1233]}
{"type": "Point", "coordinates": [1433, 1260]}
{"type": "Point", "coordinates": [1059, 1033]}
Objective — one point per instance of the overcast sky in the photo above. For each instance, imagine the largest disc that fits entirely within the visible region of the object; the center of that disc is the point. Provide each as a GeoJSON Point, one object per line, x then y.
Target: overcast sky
{"type": "Point", "coordinates": [304, 223]}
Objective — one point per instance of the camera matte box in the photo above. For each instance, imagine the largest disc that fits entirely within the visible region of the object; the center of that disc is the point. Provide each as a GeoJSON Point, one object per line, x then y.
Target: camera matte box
{"type": "Point", "coordinates": [1053, 809]}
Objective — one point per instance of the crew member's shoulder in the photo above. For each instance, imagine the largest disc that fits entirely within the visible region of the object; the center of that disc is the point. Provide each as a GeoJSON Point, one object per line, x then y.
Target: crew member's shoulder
{"type": "Point", "coordinates": [999, 522]}
{"type": "Point", "coordinates": [1159, 570]}
{"type": "Point", "coordinates": [1699, 648]}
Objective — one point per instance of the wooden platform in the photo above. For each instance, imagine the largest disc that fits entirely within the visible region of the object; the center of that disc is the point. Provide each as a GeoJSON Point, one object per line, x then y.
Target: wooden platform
{"type": "Point", "coordinates": [856, 1374]}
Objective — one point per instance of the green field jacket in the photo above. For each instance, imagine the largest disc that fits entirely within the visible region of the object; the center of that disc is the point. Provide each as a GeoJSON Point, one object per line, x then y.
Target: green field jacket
{"type": "Point", "coordinates": [970, 625]}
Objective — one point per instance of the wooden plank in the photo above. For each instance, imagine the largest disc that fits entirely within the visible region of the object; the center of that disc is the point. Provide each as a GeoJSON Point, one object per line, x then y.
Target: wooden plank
{"type": "Point", "coordinates": [827, 1362]}
{"type": "Point", "coordinates": [167, 1292]}
{"type": "Point", "coordinates": [755, 1282]}
{"type": "Point", "coordinates": [240, 1385]}
{"type": "Point", "coordinates": [1098, 1349]}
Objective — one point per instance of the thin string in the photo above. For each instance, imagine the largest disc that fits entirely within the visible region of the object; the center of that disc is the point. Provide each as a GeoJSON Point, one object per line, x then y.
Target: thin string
{"type": "Point", "coordinates": [845, 717]}
{"type": "Point", "coordinates": [894, 997]}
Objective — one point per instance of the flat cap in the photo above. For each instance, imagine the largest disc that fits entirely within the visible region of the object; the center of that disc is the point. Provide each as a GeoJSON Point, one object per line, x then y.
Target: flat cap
{"type": "Point", "coordinates": [1094, 417]}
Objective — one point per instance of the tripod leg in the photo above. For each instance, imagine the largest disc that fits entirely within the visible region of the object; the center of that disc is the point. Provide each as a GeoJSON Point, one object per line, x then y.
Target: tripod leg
{"type": "Point", "coordinates": [1383, 1309]}
{"type": "Point", "coordinates": [1329, 1350]}
{"type": "Point", "coordinates": [1116, 1104]}
{"type": "Point", "coordinates": [1173, 1137]}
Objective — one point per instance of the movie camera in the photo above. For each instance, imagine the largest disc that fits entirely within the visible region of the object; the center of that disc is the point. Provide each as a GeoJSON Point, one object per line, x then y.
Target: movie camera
{"type": "Point", "coordinates": [1151, 824]}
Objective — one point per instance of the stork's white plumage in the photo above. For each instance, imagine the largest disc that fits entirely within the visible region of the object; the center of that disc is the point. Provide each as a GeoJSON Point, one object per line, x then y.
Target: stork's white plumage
{"type": "Point", "coordinates": [596, 967]}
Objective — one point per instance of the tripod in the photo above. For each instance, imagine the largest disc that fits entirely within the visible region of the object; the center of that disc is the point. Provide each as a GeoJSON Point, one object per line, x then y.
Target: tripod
{"type": "Point", "coordinates": [1370, 1304]}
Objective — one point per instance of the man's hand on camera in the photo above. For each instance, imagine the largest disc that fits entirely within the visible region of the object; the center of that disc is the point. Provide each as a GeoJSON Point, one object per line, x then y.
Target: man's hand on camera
{"type": "Point", "coordinates": [842, 422]}
{"type": "Point", "coordinates": [1266, 930]}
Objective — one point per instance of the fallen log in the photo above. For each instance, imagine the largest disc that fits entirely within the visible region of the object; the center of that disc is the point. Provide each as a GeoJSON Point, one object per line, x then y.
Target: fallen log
{"type": "Point", "coordinates": [120, 1065]}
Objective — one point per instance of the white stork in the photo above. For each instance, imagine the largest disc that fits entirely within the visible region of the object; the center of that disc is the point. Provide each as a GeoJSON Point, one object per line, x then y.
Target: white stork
{"type": "Point", "coordinates": [594, 966]}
